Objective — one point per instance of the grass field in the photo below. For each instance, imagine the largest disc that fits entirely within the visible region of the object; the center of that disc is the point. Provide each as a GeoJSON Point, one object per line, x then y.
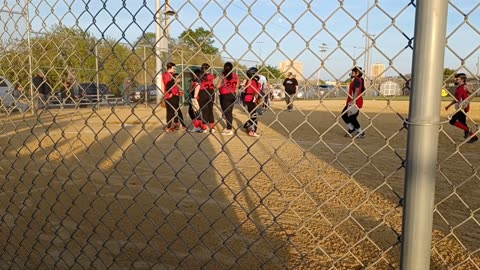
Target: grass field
{"type": "Point", "coordinates": [108, 188]}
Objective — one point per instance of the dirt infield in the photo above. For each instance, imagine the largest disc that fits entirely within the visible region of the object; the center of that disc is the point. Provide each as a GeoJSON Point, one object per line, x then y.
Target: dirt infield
{"type": "Point", "coordinates": [109, 188]}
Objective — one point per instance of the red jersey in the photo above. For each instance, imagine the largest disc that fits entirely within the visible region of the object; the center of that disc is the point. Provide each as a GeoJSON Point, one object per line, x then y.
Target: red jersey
{"type": "Point", "coordinates": [253, 88]}
{"type": "Point", "coordinates": [461, 94]}
{"type": "Point", "coordinates": [356, 83]}
{"type": "Point", "coordinates": [229, 86]}
{"type": "Point", "coordinates": [207, 83]}
{"type": "Point", "coordinates": [170, 88]}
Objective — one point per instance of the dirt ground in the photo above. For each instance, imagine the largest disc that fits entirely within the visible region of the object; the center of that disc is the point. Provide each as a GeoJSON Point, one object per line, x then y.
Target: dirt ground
{"type": "Point", "coordinates": [85, 189]}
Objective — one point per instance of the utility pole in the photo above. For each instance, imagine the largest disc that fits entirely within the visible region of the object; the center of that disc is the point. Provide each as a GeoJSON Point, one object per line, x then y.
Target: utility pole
{"type": "Point", "coordinates": [478, 66]}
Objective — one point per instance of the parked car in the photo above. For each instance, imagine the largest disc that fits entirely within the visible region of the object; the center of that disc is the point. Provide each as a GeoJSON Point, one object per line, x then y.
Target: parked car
{"type": "Point", "coordinates": [83, 93]}
{"type": "Point", "coordinates": [138, 94]}
{"type": "Point", "coordinates": [7, 94]}
{"type": "Point", "coordinates": [91, 92]}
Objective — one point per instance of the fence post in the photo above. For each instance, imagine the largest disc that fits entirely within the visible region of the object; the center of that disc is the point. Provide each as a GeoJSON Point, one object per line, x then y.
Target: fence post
{"type": "Point", "coordinates": [422, 147]}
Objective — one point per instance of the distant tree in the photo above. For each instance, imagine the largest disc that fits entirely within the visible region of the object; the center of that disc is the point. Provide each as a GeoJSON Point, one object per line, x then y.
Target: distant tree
{"type": "Point", "coordinates": [147, 39]}
{"type": "Point", "coordinates": [271, 72]}
{"type": "Point", "coordinates": [448, 72]}
{"type": "Point", "coordinates": [199, 39]}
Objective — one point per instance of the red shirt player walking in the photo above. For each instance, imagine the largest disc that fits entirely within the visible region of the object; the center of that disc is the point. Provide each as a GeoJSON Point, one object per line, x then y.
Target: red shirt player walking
{"type": "Point", "coordinates": [354, 104]}
{"type": "Point", "coordinates": [459, 119]}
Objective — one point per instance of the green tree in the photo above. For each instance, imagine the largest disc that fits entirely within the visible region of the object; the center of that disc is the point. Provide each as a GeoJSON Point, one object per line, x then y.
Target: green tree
{"type": "Point", "coordinates": [199, 39]}
{"type": "Point", "coordinates": [448, 72]}
{"type": "Point", "coordinates": [271, 72]}
{"type": "Point", "coordinates": [147, 39]}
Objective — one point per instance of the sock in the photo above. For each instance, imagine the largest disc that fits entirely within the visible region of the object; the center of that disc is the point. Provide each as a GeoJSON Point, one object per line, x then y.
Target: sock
{"type": "Point", "coordinates": [197, 123]}
{"type": "Point", "coordinates": [350, 126]}
{"type": "Point", "coordinates": [461, 126]}
{"type": "Point", "coordinates": [212, 125]}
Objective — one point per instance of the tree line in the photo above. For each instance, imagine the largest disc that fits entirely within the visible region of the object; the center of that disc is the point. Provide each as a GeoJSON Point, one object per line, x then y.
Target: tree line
{"type": "Point", "coordinates": [65, 52]}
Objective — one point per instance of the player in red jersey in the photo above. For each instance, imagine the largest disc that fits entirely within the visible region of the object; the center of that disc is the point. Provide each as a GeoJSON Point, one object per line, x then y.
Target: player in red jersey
{"type": "Point", "coordinates": [354, 104]}
{"type": "Point", "coordinates": [251, 92]}
{"type": "Point", "coordinates": [172, 95]}
{"type": "Point", "coordinates": [462, 104]}
{"type": "Point", "coordinates": [227, 85]}
{"type": "Point", "coordinates": [193, 111]}
{"type": "Point", "coordinates": [205, 94]}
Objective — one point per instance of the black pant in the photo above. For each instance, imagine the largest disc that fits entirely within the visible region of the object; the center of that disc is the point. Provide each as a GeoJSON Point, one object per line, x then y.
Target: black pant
{"type": "Point", "coordinates": [252, 122]}
{"type": "Point", "coordinates": [289, 99]}
{"type": "Point", "coordinates": [206, 107]}
{"type": "Point", "coordinates": [460, 117]}
{"type": "Point", "coordinates": [352, 119]}
{"type": "Point", "coordinates": [227, 102]}
{"type": "Point", "coordinates": [174, 113]}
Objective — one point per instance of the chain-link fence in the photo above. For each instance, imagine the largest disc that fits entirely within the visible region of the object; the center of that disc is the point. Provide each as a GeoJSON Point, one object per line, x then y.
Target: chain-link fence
{"type": "Point", "coordinates": [93, 175]}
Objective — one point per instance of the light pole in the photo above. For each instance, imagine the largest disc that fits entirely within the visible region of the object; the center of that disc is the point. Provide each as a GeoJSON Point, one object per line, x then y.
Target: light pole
{"type": "Point", "coordinates": [260, 42]}
{"type": "Point", "coordinates": [30, 60]}
{"type": "Point", "coordinates": [355, 51]}
{"type": "Point", "coordinates": [161, 45]}
{"type": "Point", "coordinates": [168, 12]}
{"type": "Point", "coordinates": [323, 49]}
{"type": "Point", "coordinates": [478, 66]}
{"type": "Point", "coordinates": [96, 76]}
{"type": "Point", "coordinates": [160, 36]}
{"type": "Point", "coordinates": [145, 84]}
{"type": "Point", "coordinates": [367, 45]}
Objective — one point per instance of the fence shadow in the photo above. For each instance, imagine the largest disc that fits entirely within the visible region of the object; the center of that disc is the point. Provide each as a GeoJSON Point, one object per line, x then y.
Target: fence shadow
{"type": "Point", "coordinates": [109, 188]}
{"type": "Point", "coordinates": [116, 191]}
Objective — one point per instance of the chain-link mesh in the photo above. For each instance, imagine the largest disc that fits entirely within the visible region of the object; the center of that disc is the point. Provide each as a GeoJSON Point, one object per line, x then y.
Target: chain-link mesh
{"type": "Point", "coordinates": [92, 179]}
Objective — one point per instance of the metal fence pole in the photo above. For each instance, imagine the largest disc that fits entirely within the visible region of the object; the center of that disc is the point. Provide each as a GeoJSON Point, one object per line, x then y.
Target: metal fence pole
{"type": "Point", "coordinates": [97, 106]}
{"type": "Point", "coordinates": [160, 35]}
{"type": "Point", "coordinates": [422, 148]}
{"type": "Point", "coordinates": [30, 60]}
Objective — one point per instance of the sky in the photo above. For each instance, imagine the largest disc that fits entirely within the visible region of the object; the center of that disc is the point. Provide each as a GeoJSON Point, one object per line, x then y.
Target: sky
{"type": "Point", "coordinates": [272, 31]}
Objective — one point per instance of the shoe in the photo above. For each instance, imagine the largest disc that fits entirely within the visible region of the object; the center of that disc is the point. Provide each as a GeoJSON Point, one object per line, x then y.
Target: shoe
{"type": "Point", "coordinates": [252, 133]}
{"type": "Point", "coordinates": [227, 132]}
{"type": "Point", "coordinates": [212, 130]}
{"type": "Point", "coordinates": [203, 131]}
{"type": "Point", "coordinates": [169, 130]}
{"type": "Point", "coordinates": [195, 129]}
{"type": "Point", "coordinates": [466, 134]}
{"type": "Point", "coordinates": [473, 140]}
{"type": "Point", "coordinates": [350, 133]}
{"type": "Point", "coordinates": [361, 135]}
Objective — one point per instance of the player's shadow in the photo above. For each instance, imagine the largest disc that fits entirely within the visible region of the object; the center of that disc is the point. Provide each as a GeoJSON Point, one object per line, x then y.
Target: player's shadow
{"type": "Point", "coordinates": [117, 191]}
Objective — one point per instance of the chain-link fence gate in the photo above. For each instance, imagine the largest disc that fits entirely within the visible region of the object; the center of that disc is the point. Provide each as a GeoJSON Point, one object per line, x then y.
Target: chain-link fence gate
{"type": "Point", "coordinates": [92, 179]}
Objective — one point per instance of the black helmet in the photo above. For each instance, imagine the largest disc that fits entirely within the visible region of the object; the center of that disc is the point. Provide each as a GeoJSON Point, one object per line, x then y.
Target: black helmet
{"type": "Point", "coordinates": [251, 72]}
